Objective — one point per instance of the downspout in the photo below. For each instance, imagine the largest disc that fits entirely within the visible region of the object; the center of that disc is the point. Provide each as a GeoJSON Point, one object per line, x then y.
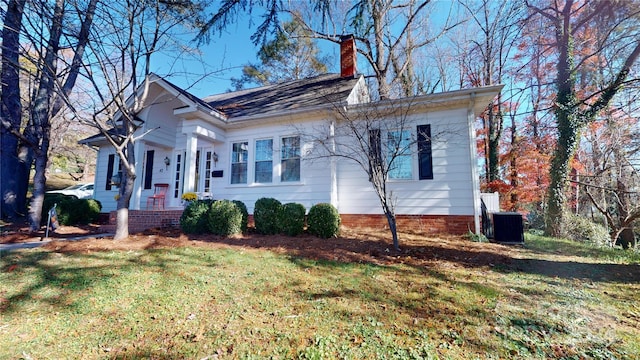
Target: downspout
{"type": "Point", "coordinates": [473, 155]}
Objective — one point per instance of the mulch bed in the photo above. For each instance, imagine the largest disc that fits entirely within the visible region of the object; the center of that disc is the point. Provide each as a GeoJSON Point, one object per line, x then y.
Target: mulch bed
{"type": "Point", "coordinates": [354, 245]}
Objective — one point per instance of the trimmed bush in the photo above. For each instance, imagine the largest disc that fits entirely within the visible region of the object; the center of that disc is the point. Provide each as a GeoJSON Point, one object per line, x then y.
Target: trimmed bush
{"type": "Point", "coordinates": [582, 229]}
{"type": "Point", "coordinates": [291, 219]}
{"type": "Point", "coordinates": [245, 215]}
{"type": "Point", "coordinates": [323, 220]}
{"type": "Point", "coordinates": [195, 217]}
{"type": "Point", "coordinates": [265, 216]}
{"type": "Point", "coordinates": [225, 218]}
{"type": "Point", "coordinates": [71, 210]}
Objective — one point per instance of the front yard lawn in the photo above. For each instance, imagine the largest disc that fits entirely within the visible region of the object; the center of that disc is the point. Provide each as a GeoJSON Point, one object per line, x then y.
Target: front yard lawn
{"type": "Point", "coordinates": [254, 297]}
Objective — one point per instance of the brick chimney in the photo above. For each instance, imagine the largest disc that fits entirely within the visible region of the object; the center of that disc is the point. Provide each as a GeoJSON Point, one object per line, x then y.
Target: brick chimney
{"type": "Point", "coordinates": [348, 56]}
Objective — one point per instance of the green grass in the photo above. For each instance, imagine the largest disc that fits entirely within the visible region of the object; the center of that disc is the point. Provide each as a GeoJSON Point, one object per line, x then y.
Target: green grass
{"type": "Point", "coordinates": [252, 304]}
{"type": "Point", "coordinates": [563, 246]}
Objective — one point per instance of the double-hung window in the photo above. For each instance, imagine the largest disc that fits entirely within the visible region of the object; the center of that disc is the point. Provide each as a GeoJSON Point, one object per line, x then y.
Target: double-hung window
{"type": "Point", "coordinates": [399, 154]}
{"type": "Point", "coordinates": [239, 158]}
{"type": "Point", "coordinates": [264, 161]}
{"type": "Point", "coordinates": [290, 159]}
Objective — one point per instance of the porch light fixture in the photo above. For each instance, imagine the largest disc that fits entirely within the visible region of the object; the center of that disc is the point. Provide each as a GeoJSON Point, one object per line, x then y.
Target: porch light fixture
{"type": "Point", "coordinates": [167, 161]}
{"type": "Point", "coordinates": [215, 158]}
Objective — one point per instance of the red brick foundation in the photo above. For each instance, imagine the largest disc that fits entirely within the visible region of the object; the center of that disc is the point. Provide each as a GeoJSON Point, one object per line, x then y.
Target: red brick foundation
{"type": "Point", "coordinates": [140, 220]}
{"type": "Point", "coordinates": [421, 224]}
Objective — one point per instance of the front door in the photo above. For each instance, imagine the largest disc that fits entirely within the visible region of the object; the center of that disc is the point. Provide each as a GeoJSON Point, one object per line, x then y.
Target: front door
{"type": "Point", "coordinates": [204, 165]}
{"type": "Point", "coordinates": [207, 165]}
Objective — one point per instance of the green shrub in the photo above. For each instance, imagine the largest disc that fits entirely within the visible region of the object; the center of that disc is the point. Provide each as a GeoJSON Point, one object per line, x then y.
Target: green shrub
{"type": "Point", "coordinates": [265, 216]}
{"type": "Point", "coordinates": [582, 229]}
{"type": "Point", "coordinates": [291, 219]}
{"type": "Point", "coordinates": [195, 217]}
{"type": "Point", "coordinates": [245, 214]}
{"type": "Point", "coordinates": [323, 220]}
{"type": "Point", "coordinates": [225, 218]}
{"type": "Point", "coordinates": [71, 210]}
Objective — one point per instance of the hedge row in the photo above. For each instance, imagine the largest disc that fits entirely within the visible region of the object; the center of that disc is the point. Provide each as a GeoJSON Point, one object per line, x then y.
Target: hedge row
{"type": "Point", "coordinates": [224, 217]}
{"type": "Point", "coordinates": [71, 210]}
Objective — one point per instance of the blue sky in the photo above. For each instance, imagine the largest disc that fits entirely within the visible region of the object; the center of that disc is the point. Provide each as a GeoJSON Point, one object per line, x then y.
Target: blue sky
{"type": "Point", "coordinates": [221, 59]}
{"type": "Point", "coordinates": [224, 56]}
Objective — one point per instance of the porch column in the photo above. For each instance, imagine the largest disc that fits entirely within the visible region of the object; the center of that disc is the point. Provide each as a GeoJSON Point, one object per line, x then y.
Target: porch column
{"type": "Point", "coordinates": [190, 163]}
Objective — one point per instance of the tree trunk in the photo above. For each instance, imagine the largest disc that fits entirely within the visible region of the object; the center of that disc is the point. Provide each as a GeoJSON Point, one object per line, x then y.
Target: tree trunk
{"type": "Point", "coordinates": [568, 128]}
{"type": "Point", "coordinates": [494, 134]}
{"type": "Point", "coordinates": [380, 67]}
{"type": "Point", "coordinates": [41, 114]}
{"type": "Point", "coordinates": [513, 166]}
{"type": "Point", "coordinates": [391, 220]}
{"type": "Point", "coordinates": [569, 117]}
{"type": "Point", "coordinates": [37, 199]}
{"type": "Point", "coordinates": [12, 206]}
{"type": "Point", "coordinates": [388, 208]}
{"type": "Point", "coordinates": [86, 167]}
{"type": "Point", "coordinates": [627, 239]}
{"type": "Point", "coordinates": [126, 190]}
{"type": "Point", "coordinates": [122, 211]}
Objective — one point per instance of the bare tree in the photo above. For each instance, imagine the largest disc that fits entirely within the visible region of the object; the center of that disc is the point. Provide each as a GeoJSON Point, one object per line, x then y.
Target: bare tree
{"type": "Point", "coordinates": [614, 25]}
{"type": "Point", "coordinates": [488, 62]}
{"type": "Point", "coordinates": [387, 32]}
{"type": "Point", "coordinates": [11, 114]}
{"type": "Point", "coordinates": [131, 33]}
{"type": "Point", "coordinates": [611, 181]}
{"type": "Point", "coordinates": [53, 81]}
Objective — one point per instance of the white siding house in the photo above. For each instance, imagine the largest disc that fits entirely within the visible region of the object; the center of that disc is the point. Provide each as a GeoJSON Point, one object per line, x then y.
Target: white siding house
{"type": "Point", "coordinates": [251, 144]}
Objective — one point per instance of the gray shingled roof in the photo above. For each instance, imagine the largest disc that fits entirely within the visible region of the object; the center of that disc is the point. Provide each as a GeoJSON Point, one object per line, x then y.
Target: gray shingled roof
{"type": "Point", "coordinates": [320, 90]}
{"type": "Point", "coordinates": [293, 95]}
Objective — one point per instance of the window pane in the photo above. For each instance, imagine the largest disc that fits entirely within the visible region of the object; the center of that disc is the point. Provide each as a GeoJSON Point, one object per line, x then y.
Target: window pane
{"type": "Point", "coordinates": [240, 152]}
{"type": "Point", "coordinates": [290, 159]}
{"type": "Point", "coordinates": [264, 163]}
{"type": "Point", "coordinates": [239, 173]}
{"type": "Point", "coordinates": [401, 168]}
{"type": "Point", "coordinates": [264, 171]}
{"type": "Point", "coordinates": [290, 170]}
{"type": "Point", "coordinates": [290, 147]}
{"type": "Point", "coordinates": [239, 157]}
{"type": "Point", "coordinates": [398, 145]}
{"type": "Point", "coordinates": [264, 150]}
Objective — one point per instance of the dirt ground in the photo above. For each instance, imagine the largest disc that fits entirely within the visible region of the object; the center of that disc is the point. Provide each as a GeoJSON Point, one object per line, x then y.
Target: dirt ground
{"type": "Point", "coordinates": [368, 245]}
